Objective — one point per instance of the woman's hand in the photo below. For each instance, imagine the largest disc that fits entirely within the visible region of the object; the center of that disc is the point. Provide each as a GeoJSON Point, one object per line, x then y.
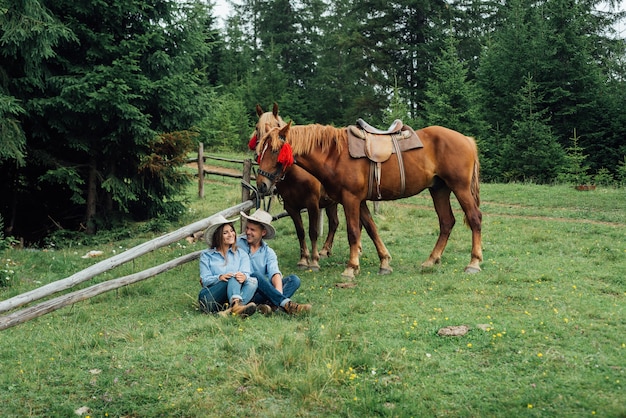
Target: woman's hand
{"type": "Point", "coordinates": [240, 277]}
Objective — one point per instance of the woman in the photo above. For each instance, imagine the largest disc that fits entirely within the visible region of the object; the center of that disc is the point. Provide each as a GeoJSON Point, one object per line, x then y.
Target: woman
{"type": "Point", "coordinates": [225, 272]}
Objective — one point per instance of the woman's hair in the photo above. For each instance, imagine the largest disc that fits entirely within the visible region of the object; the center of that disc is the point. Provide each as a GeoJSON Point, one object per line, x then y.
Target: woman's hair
{"type": "Point", "coordinates": [217, 240]}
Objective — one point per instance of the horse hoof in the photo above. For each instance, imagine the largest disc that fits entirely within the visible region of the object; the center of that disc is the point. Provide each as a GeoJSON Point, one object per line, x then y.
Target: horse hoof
{"type": "Point", "coordinates": [324, 255]}
{"type": "Point", "coordinates": [348, 274]}
{"type": "Point", "coordinates": [302, 266]}
{"type": "Point", "coordinates": [384, 271]}
{"type": "Point", "coordinates": [428, 264]}
{"type": "Point", "coordinates": [314, 267]}
{"type": "Point", "coordinates": [472, 270]}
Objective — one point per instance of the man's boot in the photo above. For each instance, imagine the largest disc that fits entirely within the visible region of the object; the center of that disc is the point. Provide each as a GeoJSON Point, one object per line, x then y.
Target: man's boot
{"type": "Point", "coordinates": [243, 310]}
{"type": "Point", "coordinates": [293, 308]}
{"type": "Point", "coordinates": [264, 309]}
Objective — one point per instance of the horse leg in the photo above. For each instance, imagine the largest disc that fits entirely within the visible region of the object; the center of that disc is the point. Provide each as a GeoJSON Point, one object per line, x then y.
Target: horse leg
{"type": "Point", "coordinates": [333, 224]}
{"type": "Point", "coordinates": [352, 211]}
{"type": "Point", "coordinates": [441, 199]}
{"type": "Point", "coordinates": [383, 254]}
{"type": "Point", "coordinates": [315, 215]}
{"type": "Point", "coordinates": [473, 217]}
{"type": "Point", "coordinates": [303, 263]}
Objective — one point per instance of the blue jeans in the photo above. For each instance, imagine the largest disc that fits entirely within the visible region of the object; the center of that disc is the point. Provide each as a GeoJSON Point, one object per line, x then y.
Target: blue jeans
{"type": "Point", "coordinates": [268, 295]}
{"type": "Point", "coordinates": [215, 297]}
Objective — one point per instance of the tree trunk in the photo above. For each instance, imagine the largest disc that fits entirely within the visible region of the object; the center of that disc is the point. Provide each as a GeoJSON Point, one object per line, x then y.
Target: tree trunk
{"type": "Point", "coordinates": [90, 213]}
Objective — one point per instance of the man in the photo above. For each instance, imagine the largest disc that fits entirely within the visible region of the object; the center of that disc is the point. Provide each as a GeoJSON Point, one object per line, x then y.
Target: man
{"type": "Point", "coordinates": [274, 291]}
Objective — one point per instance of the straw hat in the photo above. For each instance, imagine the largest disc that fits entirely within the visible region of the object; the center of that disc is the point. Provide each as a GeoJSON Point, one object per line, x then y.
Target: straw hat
{"type": "Point", "coordinates": [215, 223]}
{"type": "Point", "coordinates": [264, 218]}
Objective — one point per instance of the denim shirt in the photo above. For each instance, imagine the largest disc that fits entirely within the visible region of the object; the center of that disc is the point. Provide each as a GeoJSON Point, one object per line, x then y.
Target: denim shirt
{"type": "Point", "coordinates": [212, 265]}
{"type": "Point", "coordinates": [264, 261]}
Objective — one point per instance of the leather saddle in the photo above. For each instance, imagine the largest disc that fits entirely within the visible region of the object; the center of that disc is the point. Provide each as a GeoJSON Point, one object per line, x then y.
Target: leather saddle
{"type": "Point", "coordinates": [394, 128]}
{"type": "Point", "coordinates": [365, 140]}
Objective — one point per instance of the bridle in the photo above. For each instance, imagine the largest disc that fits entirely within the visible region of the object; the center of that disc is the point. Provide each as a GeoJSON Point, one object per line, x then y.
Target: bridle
{"type": "Point", "coordinates": [277, 175]}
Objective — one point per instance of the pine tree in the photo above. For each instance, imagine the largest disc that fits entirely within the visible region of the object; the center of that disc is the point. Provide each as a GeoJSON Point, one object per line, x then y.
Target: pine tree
{"type": "Point", "coordinates": [28, 35]}
{"type": "Point", "coordinates": [531, 152]}
{"type": "Point", "coordinates": [108, 121]}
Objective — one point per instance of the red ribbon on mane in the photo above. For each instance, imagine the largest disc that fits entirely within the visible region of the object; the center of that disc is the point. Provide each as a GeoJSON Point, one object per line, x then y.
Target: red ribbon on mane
{"type": "Point", "coordinates": [252, 143]}
{"type": "Point", "coordinates": [285, 156]}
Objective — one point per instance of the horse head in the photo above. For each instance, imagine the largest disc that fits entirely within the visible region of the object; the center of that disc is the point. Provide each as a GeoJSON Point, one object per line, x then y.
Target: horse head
{"type": "Point", "coordinates": [275, 157]}
{"type": "Point", "coordinates": [271, 119]}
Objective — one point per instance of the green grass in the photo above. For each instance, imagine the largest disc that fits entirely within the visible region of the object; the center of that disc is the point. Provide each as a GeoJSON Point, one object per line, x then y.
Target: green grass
{"type": "Point", "coordinates": [546, 314]}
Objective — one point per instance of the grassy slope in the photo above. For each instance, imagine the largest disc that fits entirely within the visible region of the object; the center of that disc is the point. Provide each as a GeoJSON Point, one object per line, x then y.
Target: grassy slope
{"type": "Point", "coordinates": [551, 297]}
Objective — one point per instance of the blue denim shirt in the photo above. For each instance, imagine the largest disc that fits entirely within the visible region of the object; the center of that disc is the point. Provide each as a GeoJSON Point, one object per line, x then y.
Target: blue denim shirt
{"type": "Point", "coordinates": [212, 265]}
{"type": "Point", "coordinates": [264, 261]}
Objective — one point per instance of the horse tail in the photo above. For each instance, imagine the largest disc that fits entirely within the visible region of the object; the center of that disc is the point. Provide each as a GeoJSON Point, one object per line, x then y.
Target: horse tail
{"type": "Point", "coordinates": [475, 181]}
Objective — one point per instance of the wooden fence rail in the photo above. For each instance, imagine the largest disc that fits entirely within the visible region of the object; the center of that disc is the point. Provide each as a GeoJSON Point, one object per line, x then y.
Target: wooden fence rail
{"type": "Point", "coordinates": [106, 265]}
{"type": "Point", "coordinates": [59, 302]}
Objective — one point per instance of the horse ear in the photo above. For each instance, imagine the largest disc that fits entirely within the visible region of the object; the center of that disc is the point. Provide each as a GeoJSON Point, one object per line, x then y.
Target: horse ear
{"type": "Point", "coordinates": [275, 109]}
{"type": "Point", "coordinates": [259, 110]}
{"type": "Point", "coordinates": [285, 129]}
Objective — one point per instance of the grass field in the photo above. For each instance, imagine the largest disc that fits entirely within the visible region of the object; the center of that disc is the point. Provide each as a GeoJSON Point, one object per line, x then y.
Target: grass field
{"type": "Point", "coordinates": [546, 315]}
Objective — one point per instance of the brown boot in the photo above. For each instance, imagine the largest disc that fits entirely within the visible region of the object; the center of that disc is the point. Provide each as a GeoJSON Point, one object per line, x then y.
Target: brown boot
{"type": "Point", "coordinates": [264, 309]}
{"type": "Point", "coordinates": [225, 312]}
{"type": "Point", "coordinates": [293, 308]}
{"type": "Point", "coordinates": [243, 310]}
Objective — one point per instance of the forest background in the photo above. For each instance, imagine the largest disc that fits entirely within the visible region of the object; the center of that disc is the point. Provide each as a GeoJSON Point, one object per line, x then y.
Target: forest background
{"type": "Point", "coordinates": [100, 103]}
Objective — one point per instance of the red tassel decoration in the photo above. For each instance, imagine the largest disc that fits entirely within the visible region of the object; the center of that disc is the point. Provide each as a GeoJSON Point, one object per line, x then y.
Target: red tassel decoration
{"type": "Point", "coordinates": [252, 143]}
{"type": "Point", "coordinates": [285, 156]}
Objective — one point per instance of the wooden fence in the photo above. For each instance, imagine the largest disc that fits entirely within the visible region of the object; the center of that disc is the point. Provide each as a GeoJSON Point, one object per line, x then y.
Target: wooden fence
{"type": "Point", "coordinates": [246, 173]}
{"type": "Point", "coordinates": [42, 308]}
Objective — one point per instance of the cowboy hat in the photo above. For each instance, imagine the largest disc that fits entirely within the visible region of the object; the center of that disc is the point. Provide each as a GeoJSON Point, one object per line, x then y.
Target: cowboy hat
{"type": "Point", "coordinates": [263, 218]}
{"type": "Point", "coordinates": [215, 223]}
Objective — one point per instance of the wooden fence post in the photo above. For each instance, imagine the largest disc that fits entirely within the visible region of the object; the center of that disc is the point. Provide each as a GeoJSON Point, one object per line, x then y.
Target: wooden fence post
{"type": "Point", "coordinates": [201, 170]}
{"type": "Point", "coordinates": [246, 177]}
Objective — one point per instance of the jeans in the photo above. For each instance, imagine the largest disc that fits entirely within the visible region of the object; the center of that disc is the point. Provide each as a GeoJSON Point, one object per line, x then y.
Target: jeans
{"type": "Point", "coordinates": [267, 293]}
{"type": "Point", "coordinates": [215, 297]}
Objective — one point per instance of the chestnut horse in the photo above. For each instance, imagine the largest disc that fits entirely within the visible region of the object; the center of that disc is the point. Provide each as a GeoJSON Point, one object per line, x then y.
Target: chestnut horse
{"type": "Point", "coordinates": [447, 163]}
{"type": "Point", "coordinates": [298, 191]}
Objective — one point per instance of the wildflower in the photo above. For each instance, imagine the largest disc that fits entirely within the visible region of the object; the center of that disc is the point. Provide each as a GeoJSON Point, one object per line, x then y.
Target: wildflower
{"type": "Point", "coordinates": [539, 355]}
{"type": "Point", "coordinates": [469, 345]}
{"type": "Point", "coordinates": [530, 406]}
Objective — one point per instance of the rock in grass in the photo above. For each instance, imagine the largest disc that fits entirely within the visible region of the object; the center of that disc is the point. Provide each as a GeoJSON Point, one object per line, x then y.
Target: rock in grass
{"type": "Point", "coordinates": [453, 331]}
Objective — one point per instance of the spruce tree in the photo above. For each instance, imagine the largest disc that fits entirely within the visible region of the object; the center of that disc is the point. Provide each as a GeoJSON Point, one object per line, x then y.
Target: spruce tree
{"type": "Point", "coordinates": [109, 120]}
{"type": "Point", "coordinates": [531, 151]}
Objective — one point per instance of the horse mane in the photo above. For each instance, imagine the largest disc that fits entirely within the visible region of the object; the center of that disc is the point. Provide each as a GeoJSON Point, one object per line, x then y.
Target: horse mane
{"type": "Point", "coordinates": [305, 138]}
{"type": "Point", "coordinates": [269, 118]}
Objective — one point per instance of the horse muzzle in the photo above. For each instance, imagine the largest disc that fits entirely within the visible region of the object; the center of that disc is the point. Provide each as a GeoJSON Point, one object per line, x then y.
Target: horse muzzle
{"type": "Point", "coordinates": [264, 188]}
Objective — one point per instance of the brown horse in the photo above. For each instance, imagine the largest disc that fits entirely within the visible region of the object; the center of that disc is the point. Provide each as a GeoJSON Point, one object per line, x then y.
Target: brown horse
{"type": "Point", "coordinates": [447, 163]}
{"type": "Point", "coordinates": [298, 191]}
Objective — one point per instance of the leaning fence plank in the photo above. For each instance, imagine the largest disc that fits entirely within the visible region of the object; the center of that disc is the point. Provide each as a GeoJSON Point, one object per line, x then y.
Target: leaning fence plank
{"type": "Point", "coordinates": [59, 302]}
{"type": "Point", "coordinates": [117, 260]}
